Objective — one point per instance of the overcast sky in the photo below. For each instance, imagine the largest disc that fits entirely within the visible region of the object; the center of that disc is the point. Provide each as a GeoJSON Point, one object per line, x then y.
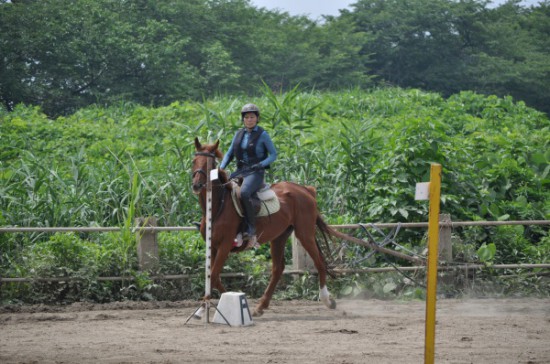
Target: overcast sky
{"type": "Point", "coordinates": [315, 8]}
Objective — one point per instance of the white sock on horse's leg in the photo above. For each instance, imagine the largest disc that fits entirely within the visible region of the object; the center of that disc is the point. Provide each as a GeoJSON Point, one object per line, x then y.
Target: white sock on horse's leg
{"type": "Point", "coordinates": [198, 314]}
{"type": "Point", "coordinates": [324, 295]}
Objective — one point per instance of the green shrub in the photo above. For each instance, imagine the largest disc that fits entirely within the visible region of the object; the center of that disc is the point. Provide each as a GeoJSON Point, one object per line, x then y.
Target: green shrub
{"type": "Point", "coordinates": [363, 150]}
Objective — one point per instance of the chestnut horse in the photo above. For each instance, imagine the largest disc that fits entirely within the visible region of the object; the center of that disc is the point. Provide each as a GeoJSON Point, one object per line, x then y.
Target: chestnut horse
{"type": "Point", "coordinates": [298, 213]}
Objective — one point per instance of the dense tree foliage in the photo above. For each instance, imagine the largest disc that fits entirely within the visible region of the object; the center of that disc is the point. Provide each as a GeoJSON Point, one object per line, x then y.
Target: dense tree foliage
{"type": "Point", "coordinates": [449, 46]}
{"type": "Point", "coordinates": [363, 150]}
{"type": "Point", "coordinates": [115, 92]}
{"type": "Point", "coordinates": [65, 55]}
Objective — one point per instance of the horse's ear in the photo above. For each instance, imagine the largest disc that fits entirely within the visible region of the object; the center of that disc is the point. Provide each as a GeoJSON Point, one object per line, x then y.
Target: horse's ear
{"type": "Point", "coordinates": [198, 145]}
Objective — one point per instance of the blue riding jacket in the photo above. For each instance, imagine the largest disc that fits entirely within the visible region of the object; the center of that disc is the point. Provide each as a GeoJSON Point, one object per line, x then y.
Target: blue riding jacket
{"type": "Point", "coordinates": [264, 150]}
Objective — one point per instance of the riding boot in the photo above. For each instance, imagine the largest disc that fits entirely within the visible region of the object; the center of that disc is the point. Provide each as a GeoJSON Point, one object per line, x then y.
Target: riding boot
{"type": "Point", "coordinates": [250, 219]}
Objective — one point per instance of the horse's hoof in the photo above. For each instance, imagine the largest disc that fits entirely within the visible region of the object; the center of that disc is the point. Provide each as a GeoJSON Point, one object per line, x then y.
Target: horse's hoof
{"type": "Point", "coordinates": [257, 313]}
{"type": "Point", "coordinates": [332, 304]}
{"type": "Point", "coordinates": [198, 313]}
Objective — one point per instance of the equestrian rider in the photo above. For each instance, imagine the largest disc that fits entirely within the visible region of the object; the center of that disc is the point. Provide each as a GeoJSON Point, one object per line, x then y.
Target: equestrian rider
{"type": "Point", "coordinates": [254, 151]}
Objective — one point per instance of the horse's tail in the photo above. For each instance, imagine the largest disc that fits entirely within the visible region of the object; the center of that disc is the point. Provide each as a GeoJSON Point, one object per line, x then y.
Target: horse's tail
{"type": "Point", "coordinates": [323, 243]}
{"type": "Point", "coordinates": [327, 233]}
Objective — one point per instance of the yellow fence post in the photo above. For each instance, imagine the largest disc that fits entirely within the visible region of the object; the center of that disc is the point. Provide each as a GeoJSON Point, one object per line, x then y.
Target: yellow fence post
{"type": "Point", "coordinates": [433, 240]}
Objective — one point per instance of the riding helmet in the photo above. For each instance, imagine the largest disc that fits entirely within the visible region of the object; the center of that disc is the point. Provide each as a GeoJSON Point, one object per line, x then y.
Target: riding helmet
{"type": "Point", "coordinates": [250, 108]}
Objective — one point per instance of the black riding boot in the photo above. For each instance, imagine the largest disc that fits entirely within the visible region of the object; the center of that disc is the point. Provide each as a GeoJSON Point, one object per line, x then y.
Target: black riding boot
{"type": "Point", "coordinates": [249, 218]}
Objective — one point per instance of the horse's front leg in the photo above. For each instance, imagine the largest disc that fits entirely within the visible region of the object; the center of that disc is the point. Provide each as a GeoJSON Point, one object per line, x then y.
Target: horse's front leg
{"type": "Point", "coordinates": [219, 256]}
{"type": "Point", "coordinates": [217, 260]}
{"type": "Point", "coordinates": [215, 281]}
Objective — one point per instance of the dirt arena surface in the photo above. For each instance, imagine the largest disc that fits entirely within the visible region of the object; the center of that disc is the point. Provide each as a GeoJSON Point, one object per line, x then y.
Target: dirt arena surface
{"type": "Point", "coordinates": [371, 331]}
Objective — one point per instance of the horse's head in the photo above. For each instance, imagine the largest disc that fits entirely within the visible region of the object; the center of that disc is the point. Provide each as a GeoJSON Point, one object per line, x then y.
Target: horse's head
{"type": "Point", "coordinates": [200, 163]}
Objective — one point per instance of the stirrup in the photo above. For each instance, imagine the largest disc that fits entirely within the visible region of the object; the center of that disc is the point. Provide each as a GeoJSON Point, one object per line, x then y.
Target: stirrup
{"type": "Point", "coordinates": [247, 235]}
{"type": "Point", "coordinates": [252, 242]}
{"type": "Point", "coordinates": [238, 242]}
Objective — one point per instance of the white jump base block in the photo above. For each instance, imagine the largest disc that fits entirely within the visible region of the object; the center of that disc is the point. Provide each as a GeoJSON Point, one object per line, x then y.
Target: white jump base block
{"type": "Point", "coordinates": [234, 307]}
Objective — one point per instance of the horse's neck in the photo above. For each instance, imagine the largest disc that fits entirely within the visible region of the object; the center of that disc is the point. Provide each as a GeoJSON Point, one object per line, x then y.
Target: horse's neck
{"type": "Point", "coordinates": [219, 194]}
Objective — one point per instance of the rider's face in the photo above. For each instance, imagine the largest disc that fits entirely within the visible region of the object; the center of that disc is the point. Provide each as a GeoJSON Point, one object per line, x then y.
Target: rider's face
{"type": "Point", "coordinates": [250, 120]}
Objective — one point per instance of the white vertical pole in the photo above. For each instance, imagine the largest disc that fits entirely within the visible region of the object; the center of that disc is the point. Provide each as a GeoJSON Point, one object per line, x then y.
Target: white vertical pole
{"type": "Point", "coordinates": [208, 263]}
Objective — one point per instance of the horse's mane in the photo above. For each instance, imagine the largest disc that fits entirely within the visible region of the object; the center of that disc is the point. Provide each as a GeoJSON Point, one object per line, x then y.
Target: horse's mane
{"type": "Point", "coordinates": [224, 179]}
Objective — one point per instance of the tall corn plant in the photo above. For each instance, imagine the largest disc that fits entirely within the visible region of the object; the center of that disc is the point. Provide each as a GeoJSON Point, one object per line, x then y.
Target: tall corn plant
{"type": "Point", "coordinates": [289, 115]}
{"type": "Point", "coordinates": [122, 245]}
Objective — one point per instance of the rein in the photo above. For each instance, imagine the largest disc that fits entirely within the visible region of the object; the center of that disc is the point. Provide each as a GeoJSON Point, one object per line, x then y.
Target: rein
{"type": "Point", "coordinates": [206, 154]}
{"type": "Point", "coordinates": [203, 185]}
{"type": "Point", "coordinates": [202, 171]}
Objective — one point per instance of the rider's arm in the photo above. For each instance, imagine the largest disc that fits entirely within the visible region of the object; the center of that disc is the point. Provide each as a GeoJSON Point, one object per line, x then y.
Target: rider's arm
{"type": "Point", "coordinates": [265, 139]}
{"type": "Point", "coordinates": [228, 156]}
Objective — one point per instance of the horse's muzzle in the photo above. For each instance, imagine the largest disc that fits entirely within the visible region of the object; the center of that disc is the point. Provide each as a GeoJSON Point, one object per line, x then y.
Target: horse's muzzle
{"type": "Point", "coordinates": [197, 187]}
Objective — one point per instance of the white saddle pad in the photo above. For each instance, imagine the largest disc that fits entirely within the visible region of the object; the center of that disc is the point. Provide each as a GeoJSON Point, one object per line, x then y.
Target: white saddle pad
{"type": "Point", "coordinates": [269, 201]}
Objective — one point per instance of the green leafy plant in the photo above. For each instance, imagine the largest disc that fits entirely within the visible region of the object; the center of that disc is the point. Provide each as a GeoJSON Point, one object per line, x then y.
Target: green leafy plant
{"type": "Point", "coordinates": [486, 253]}
{"type": "Point", "coordinates": [363, 151]}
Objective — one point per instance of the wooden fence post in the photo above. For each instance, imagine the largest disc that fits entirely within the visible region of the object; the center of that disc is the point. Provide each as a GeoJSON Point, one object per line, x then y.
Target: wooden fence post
{"type": "Point", "coordinates": [445, 242]}
{"type": "Point", "coordinates": [300, 258]}
{"type": "Point", "coordinates": [147, 247]}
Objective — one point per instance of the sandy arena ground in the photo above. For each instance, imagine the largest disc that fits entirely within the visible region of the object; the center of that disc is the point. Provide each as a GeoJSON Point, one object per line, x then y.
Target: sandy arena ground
{"type": "Point", "coordinates": [468, 331]}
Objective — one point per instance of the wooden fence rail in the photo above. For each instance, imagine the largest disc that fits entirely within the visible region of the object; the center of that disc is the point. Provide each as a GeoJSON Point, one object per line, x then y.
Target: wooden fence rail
{"type": "Point", "coordinates": [171, 277]}
{"type": "Point", "coordinates": [452, 224]}
{"type": "Point", "coordinates": [147, 246]}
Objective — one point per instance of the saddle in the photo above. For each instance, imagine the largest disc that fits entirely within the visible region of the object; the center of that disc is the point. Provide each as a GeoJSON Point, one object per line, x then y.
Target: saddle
{"type": "Point", "coordinates": [265, 201]}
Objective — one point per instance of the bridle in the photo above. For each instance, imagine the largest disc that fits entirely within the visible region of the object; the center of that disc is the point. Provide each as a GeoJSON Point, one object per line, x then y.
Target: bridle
{"type": "Point", "coordinates": [200, 170]}
{"type": "Point", "coordinates": [203, 185]}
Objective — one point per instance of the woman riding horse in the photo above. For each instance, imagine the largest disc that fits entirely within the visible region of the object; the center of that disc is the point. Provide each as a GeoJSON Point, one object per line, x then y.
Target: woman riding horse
{"type": "Point", "coordinates": [255, 152]}
{"type": "Point", "coordinates": [298, 213]}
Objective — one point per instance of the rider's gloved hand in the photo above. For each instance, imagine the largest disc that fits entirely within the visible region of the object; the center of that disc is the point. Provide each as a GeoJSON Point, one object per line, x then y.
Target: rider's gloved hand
{"type": "Point", "coordinates": [257, 167]}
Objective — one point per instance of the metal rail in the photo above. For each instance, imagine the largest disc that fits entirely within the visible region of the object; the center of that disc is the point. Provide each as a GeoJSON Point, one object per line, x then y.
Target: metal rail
{"type": "Point", "coordinates": [18, 229]}
{"type": "Point", "coordinates": [464, 267]}
{"type": "Point", "coordinates": [451, 224]}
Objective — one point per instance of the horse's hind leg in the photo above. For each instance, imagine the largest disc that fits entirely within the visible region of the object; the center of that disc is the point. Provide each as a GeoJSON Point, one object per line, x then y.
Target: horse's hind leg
{"type": "Point", "coordinates": [309, 244]}
{"type": "Point", "coordinates": [277, 268]}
